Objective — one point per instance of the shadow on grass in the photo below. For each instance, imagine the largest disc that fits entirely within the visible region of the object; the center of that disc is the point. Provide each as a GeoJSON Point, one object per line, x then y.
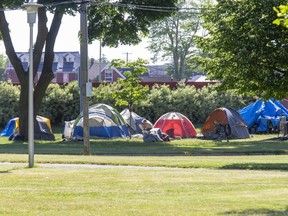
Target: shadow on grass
{"type": "Point", "coordinates": [138, 147]}
{"type": "Point", "coordinates": [267, 212]}
{"type": "Point", "coordinates": [9, 170]}
{"type": "Point", "coordinates": [257, 166]}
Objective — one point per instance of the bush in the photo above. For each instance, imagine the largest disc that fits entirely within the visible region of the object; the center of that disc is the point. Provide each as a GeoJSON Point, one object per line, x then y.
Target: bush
{"type": "Point", "coordinates": [62, 103]}
{"type": "Point", "coordinates": [9, 102]}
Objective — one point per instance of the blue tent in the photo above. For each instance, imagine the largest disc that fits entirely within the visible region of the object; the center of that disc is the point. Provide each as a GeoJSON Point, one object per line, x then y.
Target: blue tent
{"type": "Point", "coordinates": [104, 122]}
{"type": "Point", "coordinates": [45, 131]}
{"type": "Point", "coordinates": [263, 115]}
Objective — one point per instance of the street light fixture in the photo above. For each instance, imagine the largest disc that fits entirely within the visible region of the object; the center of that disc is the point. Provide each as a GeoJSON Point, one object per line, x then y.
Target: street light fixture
{"type": "Point", "coordinates": [32, 8]}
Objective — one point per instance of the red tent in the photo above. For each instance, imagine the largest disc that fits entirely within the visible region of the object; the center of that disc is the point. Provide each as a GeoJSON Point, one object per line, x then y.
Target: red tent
{"type": "Point", "coordinates": [175, 124]}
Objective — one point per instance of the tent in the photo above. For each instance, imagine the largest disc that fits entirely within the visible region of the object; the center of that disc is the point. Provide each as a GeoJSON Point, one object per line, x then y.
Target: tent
{"type": "Point", "coordinates": [134, 121]}
{"type": "Point", "coordinates": [175, 125]}
{"type": "Point", "coordinates": [263, 116]}
{"type": "Point", "coordinates": [44, 133]}
{"type": "Point", "coordinates": [104, 122]}
{"type": "Point", "coordinates": [225, 123]}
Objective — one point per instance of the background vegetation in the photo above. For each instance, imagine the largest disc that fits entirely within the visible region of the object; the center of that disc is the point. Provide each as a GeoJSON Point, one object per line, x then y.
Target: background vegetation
{"type": "Point", "coordinates": [62, 103]}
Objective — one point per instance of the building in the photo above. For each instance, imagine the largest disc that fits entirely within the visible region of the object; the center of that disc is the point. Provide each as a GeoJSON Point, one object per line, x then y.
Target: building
{"type": "Point", "coordinates": [65, 67]}
{"type": "Point", "coordinates": [103, 73]}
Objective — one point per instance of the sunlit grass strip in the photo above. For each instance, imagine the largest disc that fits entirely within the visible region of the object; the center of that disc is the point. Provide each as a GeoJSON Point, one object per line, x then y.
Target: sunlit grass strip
{"type": "Point", "coordinates": [260, 162]}
{"type": "Point", "coordinates": [138, 191]}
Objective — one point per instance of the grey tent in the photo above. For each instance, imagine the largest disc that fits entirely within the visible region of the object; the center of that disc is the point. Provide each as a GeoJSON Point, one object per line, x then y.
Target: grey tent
{"type": "Point", "coordinates": [134, 121]}
{"type": "Point", "coordinates": [225, 123]}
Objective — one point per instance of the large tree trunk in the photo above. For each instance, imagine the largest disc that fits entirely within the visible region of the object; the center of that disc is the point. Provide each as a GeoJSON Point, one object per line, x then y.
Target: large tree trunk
{"type": "Point", "coordinates": [47, 73]}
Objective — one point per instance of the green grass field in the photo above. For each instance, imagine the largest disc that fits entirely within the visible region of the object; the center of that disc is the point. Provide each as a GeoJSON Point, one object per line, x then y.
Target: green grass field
{"type": "Point", "coordinates": [130, 177]}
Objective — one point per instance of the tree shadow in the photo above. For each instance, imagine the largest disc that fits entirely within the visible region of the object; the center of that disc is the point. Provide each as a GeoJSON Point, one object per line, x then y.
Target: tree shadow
{"type": "Point", "coordinates": [138, 147]}
{"type": "Point", "coordinates": [10, 170]}
{"type": "Point", "coordinates": [257, 166]}
{"type": "Point", "coordinates": [263, 211]}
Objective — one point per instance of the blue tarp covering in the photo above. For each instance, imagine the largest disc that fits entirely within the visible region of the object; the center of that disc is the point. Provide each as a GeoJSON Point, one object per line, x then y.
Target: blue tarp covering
{"type": "Point", "coordinates": [260, 113]}
{"type": "Point", "coordinates": [9, 128]}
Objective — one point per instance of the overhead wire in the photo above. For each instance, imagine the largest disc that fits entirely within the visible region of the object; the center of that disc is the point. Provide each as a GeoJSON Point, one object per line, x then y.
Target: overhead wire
{"type": "Point", "coordinates": [117, 4]}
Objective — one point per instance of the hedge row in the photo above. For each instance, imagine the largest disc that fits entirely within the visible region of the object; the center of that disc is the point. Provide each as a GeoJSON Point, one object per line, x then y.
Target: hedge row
{"type": "Point", "coordinates": [62, 103]}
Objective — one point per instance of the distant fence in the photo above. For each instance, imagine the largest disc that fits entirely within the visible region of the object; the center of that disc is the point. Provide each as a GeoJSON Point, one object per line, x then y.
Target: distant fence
{"type": "Point", "coordinates": [171, 84]}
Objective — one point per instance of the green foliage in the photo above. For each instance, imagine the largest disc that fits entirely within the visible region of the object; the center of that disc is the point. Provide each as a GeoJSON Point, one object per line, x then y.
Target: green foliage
{"type": "Point", "coordinates": [174, 38]}
{"type": "Point", "coordinates": [102, 94]}
{"type": "Point", "coordinates": [9, 102]}
{"type": "Point", "coordinates": [130, 90]}
{"type": "Point", "coordinates": [282, 14]}
{"type": "Point", "coordinates": [116, 25]}
{"type": "Point", "coordinates": [248, 52]}
{"type": "Point", "coordinates": [61, 103]}
{"type": "Point", "coordinates": [3, 60]}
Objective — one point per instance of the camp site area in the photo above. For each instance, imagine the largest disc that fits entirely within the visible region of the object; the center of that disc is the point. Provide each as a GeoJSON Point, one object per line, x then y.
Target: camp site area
{"type": "Point", "coordinates": [220, 167]}
{"type": "Point", "coordinates": [131, 177]}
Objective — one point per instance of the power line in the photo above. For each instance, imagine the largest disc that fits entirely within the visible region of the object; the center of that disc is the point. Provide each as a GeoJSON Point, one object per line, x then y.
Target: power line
{"type": "Point", "coordinates": [116, 4]}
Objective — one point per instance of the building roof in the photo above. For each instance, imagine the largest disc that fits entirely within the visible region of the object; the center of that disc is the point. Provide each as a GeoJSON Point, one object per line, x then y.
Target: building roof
{"type": "Point", "coordinates": [62, 65]}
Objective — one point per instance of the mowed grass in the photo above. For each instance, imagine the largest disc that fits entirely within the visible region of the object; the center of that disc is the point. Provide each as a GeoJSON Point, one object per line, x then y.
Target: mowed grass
{"type": "Point", "coordinates": [72, 190]}
{"type": "Point", "coordinates": [130, 177]}
{"type": "Point", "coordinates": [258, 144]}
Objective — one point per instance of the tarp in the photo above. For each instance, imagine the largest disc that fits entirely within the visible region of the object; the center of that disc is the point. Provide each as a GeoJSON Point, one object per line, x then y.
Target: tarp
{"type": "Point", "coordinates": [45, 133]}
{"type": "Point", "coordinates": [225, 123]}
{"type": "Point", "coordinates": [175, 125]}
{"type": "Point", "coordinates": [134, 121]}
{"type": "Point", "coordinates": [262, 115]}
{"type": "Point", "coordinates": [104, 122]}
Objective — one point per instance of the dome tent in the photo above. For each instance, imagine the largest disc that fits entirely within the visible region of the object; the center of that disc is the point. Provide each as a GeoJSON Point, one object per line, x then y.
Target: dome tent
{"type": "Point", "coordinates": [225, 123]}
{"type": "Point", "coordinates": [104, 122]}
{"type": "Point", "coordinates": [134, 121]}
{"type": "Point", "coordinates": [44, 132]}
{"type": "Point", "coordinates": [175, 124]}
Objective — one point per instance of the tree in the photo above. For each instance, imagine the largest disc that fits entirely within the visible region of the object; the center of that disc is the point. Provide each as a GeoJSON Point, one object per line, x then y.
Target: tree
{"type": "Point", "coordinates": [282, 14]}
{"type": "Point", "coordinates": [130, 91]}
{"type": "Point", "coordinates": [248, 52]}
{"type": "Point", "coordinates": [2, 65]}
{"type": "Point", "coordinates": [113, 22]}
{"type": "Point", "coordinates": [174, 38]}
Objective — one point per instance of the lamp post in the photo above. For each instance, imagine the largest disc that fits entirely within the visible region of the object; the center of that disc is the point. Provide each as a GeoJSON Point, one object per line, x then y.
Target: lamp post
{"type": "Point", "coordinates": [32, 9]}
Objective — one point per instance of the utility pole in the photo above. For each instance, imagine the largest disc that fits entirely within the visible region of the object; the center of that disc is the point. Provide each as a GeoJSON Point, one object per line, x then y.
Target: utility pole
{"type": "Point", "coordinates": [100, 60]}
{"type": "Point", "coordinates": [127, 55]}
{"type": "Point", "coordinates": [84, 76]}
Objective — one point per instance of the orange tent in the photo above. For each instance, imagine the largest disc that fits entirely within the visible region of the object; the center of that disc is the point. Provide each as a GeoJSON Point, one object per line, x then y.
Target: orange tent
{"type": "Point", "coordinates": [224, 123]}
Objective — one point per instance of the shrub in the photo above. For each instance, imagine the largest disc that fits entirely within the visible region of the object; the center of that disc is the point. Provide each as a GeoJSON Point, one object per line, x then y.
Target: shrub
{"type": "Point", "coordinates": [62, 103]}
{"type": "Point", "coordinates": [9, 102]}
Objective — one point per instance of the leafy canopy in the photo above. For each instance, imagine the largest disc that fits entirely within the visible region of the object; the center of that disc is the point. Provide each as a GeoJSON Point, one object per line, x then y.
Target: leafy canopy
{"type": "Point", "coordinates": [130, 90]}
{"type": "Point", "coordinates": [125, 22]}
{"type": "Point", "coordinates": [249, 53]}
{"type": "Point", "coordinates": [174, 38]}
{"type": "Point", "coordinates": [282, 14]}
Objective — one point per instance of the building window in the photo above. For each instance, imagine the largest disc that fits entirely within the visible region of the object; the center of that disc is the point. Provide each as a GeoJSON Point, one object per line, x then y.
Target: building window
{"type": "Point", "coordinates": [108, 75]}
{"type": "Point", "coordinates": [65, 78]}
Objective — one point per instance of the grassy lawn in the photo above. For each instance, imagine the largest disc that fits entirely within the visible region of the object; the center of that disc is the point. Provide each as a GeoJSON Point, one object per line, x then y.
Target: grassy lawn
{"type": "Point", "coordinates": [181, 177]}
{"type": "Point", "coordinates": [53, 190]}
